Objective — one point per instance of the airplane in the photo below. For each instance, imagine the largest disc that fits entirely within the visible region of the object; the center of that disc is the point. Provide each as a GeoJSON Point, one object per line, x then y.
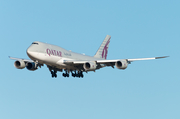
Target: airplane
{"type": "Point", "coordinates": [59, 59]}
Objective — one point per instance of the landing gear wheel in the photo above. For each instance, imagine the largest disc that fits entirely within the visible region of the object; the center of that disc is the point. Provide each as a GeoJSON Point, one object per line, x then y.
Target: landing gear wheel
{"type": "Point", "coordinates": [81, 74]}
{"type": "Point", "coordinates": [64, 74]}
{"type": "Point", "coordinates": [78, 74]}
{"type": "Point", "coordinates": [73, 75]}
{"type": "Point", "coordinates": [54, 74]}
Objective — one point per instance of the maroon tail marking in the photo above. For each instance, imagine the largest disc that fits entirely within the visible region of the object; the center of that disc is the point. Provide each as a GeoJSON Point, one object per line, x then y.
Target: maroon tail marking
{"type": "Point", "coordinates": [105, 50]}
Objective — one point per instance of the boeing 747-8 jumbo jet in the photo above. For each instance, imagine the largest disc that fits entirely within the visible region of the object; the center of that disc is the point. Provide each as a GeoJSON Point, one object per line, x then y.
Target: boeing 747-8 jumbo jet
{"type": "Point", "coordinates": [59, 59]}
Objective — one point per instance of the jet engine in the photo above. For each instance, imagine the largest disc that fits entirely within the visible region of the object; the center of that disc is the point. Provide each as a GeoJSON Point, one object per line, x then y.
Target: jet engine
{"type": "Point", "coordinates": [31, 66]}
{"type": "Point", "coordinates": [19, 64]}
{"type": "Point", "coordinates": [89, 66]}
{"type": "Point", "coordinates": [121, 64]}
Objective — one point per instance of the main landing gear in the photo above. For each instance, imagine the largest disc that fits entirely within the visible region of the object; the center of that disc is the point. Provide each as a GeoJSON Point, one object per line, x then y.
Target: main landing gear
{"type": "Point", "coordinates": [54, 74]}
{"type": "Point", "coordinates": [78, 74]}
{"type": "Point", "coordinates": [75, 74]}
{"type": "Point", "coordinates": [65, 74]}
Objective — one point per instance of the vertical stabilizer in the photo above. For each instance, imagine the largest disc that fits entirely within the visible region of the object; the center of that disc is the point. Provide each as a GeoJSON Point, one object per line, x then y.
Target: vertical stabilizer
{"type": "Point", "coordinates": [103, 49]}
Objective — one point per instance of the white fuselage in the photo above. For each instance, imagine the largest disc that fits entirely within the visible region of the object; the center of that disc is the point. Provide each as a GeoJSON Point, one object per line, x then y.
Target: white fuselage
{"type": "Point", "coordinates": [54, 56]}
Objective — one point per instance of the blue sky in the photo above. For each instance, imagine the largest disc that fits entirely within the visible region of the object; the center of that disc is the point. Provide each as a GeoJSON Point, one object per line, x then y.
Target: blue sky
{"type": "Point", "coordinates": [145, 90]}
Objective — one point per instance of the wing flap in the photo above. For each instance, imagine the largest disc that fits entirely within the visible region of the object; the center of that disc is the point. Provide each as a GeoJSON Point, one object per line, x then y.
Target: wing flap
{"type": "Point", "coordinates": [75, 61]}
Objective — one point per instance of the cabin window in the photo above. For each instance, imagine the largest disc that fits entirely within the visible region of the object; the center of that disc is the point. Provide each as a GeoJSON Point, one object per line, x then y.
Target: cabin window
{"type": "Point", "coordinates": [35, 43]}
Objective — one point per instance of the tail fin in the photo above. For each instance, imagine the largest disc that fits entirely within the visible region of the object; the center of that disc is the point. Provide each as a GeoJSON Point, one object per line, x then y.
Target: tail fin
{"type": "Point", "coordinates": [103, 49]}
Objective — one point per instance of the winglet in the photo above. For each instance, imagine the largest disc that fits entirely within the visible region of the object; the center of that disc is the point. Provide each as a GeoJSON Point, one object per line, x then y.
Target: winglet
{"type": "Point", "coordinates": [11, 57]}
{"type": "Point", "coordinates": [161, 57]}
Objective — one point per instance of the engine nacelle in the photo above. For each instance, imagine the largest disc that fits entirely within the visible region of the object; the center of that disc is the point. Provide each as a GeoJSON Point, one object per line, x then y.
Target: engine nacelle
{"type": "Point", "coordinates": [89, 66]}
{"type": "Point", "coordinates": [31, 66]}
{"type": "Point", "coordinates": [121, 64]}
{"type": "Point", "coordinates": [19, 64]}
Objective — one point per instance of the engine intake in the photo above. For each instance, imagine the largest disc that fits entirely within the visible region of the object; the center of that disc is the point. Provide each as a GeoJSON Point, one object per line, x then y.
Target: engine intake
{"type": "Point", "coordinates": [31, 66]}
{"type": "Point", "coordinates": [89, 66]}
{"type": "Point", "coordinates": [122, 64]}
{"type": "Point", "coordinates": [19, 64]}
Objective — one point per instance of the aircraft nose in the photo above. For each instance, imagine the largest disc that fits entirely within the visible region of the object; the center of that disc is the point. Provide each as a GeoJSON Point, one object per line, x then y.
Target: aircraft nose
{"type": "Point", "coordinates": [29, 51]}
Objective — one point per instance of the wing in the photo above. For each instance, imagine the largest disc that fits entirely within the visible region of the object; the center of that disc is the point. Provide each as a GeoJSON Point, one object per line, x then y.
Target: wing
{"type": "Point", "coordinates": [26, 60]}
{"type": "Point", "coordinates": [108, 61]}
{"type": "Point", "coordinates": [130, 60]}
{"type": "Point", "coordinates": [119, 63]}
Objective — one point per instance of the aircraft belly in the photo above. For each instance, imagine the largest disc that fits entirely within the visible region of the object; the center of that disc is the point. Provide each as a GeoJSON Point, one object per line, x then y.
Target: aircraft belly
{"type": "Point", "coordinates": [64, 66]}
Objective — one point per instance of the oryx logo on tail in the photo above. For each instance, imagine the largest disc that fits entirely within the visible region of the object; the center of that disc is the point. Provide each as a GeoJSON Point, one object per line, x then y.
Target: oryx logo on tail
{"type": "Point", "coordinates": [103, 49]}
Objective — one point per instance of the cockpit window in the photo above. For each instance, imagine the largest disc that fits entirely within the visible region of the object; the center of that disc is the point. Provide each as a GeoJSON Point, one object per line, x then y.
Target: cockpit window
{"type": "Point", "coordinates": [35, 43]}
